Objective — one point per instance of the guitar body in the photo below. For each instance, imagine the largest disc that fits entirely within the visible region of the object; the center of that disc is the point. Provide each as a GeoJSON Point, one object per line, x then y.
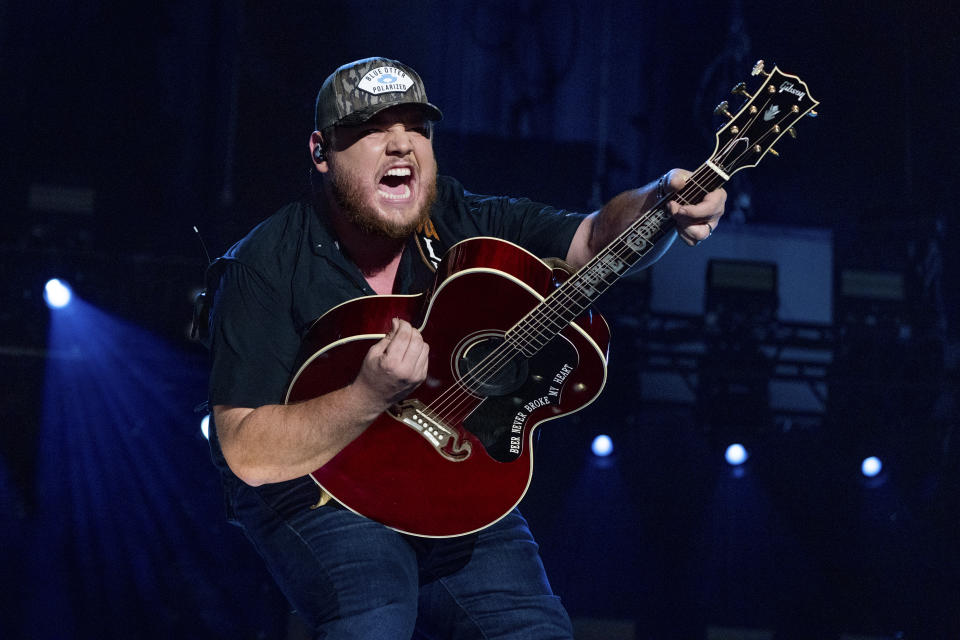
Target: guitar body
{"type": "Point", "coordinates": [457, 455]}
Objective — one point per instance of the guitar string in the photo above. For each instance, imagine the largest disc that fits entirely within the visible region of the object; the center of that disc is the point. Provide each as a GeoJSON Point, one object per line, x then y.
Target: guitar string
{"type": "Point", "coordinates": [541, 325]}
{"type": "Point", "coordinates": [536, 329]}
{"type": "Point", "coordinates": [530, 325]}
{"type": "Point", "coordinates": [617, 248]}
{"type": "Point", "coordinates": [548, 326]}
{"type": "Point", "coordinates": [496, 360]}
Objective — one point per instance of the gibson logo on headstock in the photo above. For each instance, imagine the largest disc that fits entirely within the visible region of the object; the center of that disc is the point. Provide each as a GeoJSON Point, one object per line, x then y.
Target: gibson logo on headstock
{"type": "Point", "coordinates": [790, 88]}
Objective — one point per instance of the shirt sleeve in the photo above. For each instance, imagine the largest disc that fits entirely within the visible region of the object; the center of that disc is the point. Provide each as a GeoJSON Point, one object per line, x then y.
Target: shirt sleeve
{"type": "Point", "coordinates": [541, 229]}
{"type": "Point", "coordinates": [252, 340]}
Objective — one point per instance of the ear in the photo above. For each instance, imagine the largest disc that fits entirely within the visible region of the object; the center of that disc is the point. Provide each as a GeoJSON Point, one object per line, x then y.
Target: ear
{"type": "Point", "coordinates": [317, 146]}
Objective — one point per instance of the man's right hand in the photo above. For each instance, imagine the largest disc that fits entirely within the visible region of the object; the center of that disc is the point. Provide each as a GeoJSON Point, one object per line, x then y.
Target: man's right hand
{"type": "Point", "coordinates": [278, 442]}
{"type": "Point", "coordinates": [394, 366]}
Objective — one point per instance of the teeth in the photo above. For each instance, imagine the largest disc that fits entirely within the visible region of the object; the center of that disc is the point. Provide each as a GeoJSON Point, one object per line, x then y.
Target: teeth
{"type": "Point", "coordinates": [399, 171]}
{"type": "Point", "coordinates": [397, 196]}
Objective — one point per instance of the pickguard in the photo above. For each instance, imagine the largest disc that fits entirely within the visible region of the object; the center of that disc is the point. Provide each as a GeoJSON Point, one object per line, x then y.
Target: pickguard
{"type": "Point", "coordinates": [500, 421]}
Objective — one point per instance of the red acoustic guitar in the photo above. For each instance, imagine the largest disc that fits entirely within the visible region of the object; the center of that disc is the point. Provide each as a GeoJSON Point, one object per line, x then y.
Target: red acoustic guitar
{"type": "Point", "coordinates": [513, 343]}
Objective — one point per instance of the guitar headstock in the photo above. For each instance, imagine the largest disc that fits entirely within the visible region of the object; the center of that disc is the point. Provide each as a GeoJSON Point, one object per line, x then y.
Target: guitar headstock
{"type": "Point", "coordinates": [767, 115]}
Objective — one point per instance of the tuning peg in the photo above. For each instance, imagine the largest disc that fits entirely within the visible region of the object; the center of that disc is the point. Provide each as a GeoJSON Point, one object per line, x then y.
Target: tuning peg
{"type": "Point", "coordinates": [723, 109]}
{"type": "Point", "coordinates": [741, 89]}
{"type": "Point", "coordinates": [757, 68]}
{"type": "Point", "coordinates": [773, 151]}
{"type": "Point", "coordinates": [812, 113]}
{"type": "Point", "coordinates": [792, 132]}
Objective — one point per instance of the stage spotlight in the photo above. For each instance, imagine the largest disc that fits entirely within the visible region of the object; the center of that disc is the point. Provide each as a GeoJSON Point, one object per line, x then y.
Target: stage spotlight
{"type": "Point", "coordinates": [602, 446]}
{"type": "Point", "coordinates": [871, 467]}
{"type": "Point", "coordinates": [57, 293]}
{"type": "Point", "coordinates": [736, 454]}
{"type": "Point", "coordinates": [205, 426]}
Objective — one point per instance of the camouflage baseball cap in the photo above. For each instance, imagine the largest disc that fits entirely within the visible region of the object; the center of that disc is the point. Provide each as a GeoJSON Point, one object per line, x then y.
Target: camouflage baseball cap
{"type": "Point", "coordinates": [359, 90]}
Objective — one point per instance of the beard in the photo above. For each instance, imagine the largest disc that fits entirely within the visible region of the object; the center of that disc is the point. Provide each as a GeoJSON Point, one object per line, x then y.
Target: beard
{"type": "Point", "coordinates": [366, 218]}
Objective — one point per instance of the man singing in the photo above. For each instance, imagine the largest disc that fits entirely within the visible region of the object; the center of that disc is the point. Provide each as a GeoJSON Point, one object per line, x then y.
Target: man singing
{"type": "Point", "coordinates": [356, 235]}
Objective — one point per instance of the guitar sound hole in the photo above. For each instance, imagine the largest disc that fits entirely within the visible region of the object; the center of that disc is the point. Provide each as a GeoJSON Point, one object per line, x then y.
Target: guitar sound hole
{"type": "Point", "coordinates": [497, 375]}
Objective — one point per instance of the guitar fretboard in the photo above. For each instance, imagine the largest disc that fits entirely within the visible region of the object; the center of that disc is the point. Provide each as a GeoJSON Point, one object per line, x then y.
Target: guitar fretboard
{"type": "Point", "coordinates": [584, 287]}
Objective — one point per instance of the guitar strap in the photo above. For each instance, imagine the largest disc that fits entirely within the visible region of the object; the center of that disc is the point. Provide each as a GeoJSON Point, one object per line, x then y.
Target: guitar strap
{"type": "Point", "coordinates": [429, 244]}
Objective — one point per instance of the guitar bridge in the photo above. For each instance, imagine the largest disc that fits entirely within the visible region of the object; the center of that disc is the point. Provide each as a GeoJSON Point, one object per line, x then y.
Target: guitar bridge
{"type": "Point", "coordinates": [447, 441]}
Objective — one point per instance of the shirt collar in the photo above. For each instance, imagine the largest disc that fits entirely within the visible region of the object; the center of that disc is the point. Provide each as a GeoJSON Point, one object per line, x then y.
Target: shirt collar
{"type": "Point", "coordinates": [413, 274]}
{"type": "Point", "coordinates": [322, 241]}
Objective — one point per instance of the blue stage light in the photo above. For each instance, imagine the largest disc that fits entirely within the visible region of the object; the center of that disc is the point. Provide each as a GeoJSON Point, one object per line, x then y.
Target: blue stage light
{"type": "Point", "coordinates": [871, 466]}
{"type": "Point", "coordinates": [736, 454]}
{"type": "Point", "coordinates": [57, 293]}
{"type": "Point", "coordinates": [205, 426]}
{"type": "Point", "coordinates": [602, 446]}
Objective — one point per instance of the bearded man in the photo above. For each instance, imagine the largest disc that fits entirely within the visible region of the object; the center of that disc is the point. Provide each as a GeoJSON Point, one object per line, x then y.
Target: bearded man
{"type": "Point", "coordinates": [375, 226]}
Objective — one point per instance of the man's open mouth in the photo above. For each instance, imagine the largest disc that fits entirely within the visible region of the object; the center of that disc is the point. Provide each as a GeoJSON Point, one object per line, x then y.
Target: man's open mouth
{"type": "Point", "coordinates": [395, 184]}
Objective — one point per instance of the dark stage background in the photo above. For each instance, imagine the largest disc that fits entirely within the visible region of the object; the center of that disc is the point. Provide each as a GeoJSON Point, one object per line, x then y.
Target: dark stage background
{"type": "Point", "coordinates": [127, 123]}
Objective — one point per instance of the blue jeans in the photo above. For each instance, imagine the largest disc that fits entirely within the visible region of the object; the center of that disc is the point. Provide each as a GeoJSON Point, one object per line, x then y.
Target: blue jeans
{"type": "Point", "coordinates": [350, 577]}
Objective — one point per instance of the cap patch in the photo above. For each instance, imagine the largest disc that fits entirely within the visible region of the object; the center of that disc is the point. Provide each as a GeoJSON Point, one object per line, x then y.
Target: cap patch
{"type": "Point", "coordinates": [386, 80]}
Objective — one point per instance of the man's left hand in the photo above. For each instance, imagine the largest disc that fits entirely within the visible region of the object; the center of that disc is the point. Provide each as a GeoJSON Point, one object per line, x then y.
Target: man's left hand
{"type": "Point", "coordinates": [695, 222]}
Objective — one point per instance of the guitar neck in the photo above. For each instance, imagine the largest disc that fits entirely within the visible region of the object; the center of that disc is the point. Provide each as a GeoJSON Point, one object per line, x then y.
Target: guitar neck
{"type": "Point", "coordinates": [749, 135]}
{"type": "Point", "coordinates": [581, 290]}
